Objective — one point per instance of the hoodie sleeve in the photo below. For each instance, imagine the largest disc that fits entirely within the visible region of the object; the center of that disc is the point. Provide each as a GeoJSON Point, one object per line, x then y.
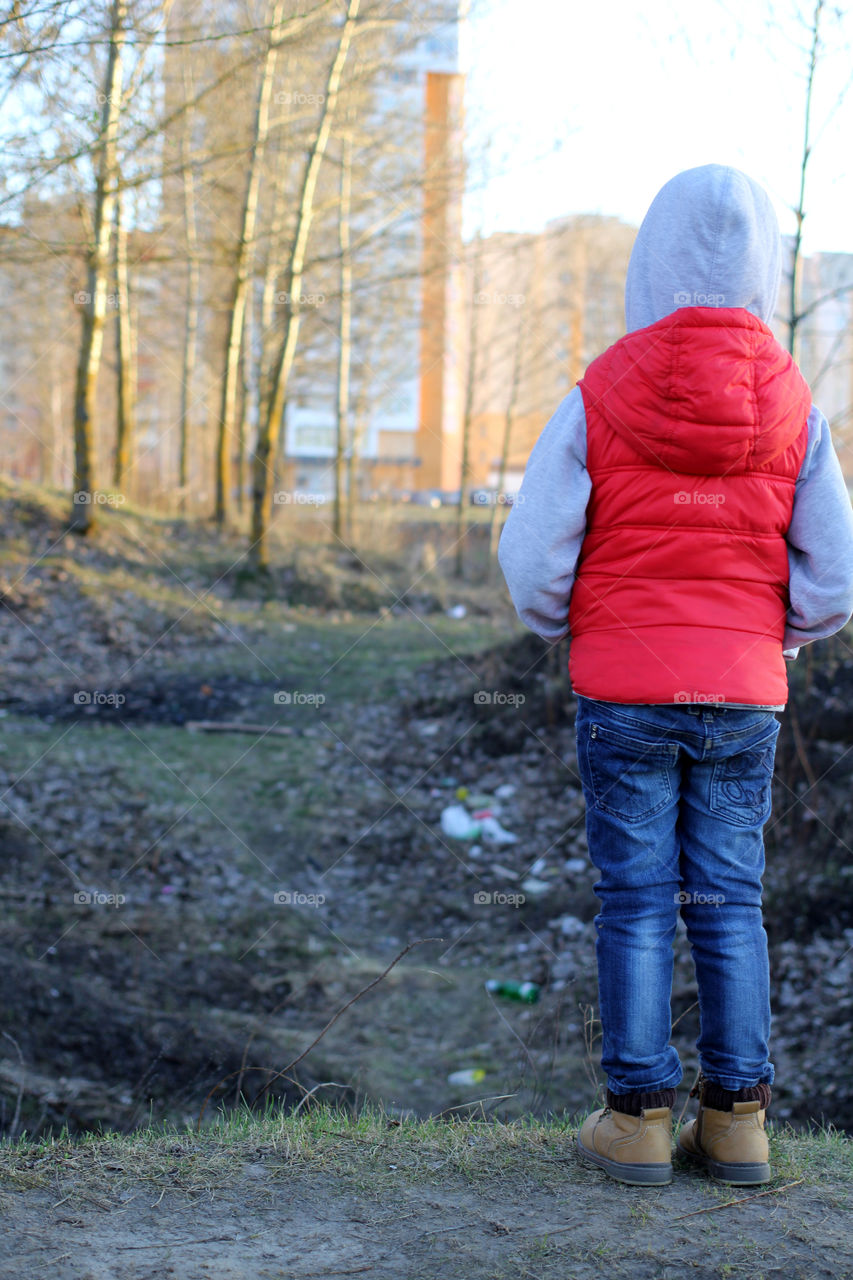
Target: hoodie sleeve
{"type": "Point", "coordinates": [541, 540]}
{"type": "Point", "coordinates": [820, 544]}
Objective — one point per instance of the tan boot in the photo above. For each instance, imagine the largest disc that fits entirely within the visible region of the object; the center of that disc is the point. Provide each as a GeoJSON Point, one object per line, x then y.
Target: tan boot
{"type": "Point", "coordinates": [732, 1145]}
{"type": "Point", "coordinates": [632, 1149]}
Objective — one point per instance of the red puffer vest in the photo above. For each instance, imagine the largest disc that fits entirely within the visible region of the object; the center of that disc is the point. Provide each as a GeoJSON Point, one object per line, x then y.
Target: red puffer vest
{"type": "Point", "coordinates": [696, 432]}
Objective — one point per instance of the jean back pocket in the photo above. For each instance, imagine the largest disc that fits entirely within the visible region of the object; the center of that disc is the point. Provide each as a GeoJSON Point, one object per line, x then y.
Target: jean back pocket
{"type": "Point", "coordinates": [628, 777]}
{"type": "Point", "coordinates": [742, 784]}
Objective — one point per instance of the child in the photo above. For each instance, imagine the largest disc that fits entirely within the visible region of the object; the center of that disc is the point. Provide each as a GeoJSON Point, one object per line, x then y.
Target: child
{"type": "Point", "coordinates": [684, 519]}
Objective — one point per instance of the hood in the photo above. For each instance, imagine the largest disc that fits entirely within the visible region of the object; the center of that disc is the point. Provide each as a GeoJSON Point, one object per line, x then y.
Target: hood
{"type": "Point", "coordinates": [709, 239]}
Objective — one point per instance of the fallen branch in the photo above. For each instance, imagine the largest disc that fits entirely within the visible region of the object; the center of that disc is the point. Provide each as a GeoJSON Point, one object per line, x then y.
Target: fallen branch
{"type": "Point", "coordinates": [774, 1191]}
{"type": "Point", "coordinates": [235, 726]}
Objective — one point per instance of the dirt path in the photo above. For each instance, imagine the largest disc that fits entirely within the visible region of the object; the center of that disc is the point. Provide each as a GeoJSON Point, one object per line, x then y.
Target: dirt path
{"type": "Point", "coordinates": [273, 1221]}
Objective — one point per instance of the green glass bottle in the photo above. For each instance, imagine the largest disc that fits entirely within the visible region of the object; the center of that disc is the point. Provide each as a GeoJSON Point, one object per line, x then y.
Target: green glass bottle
{"type": "Point", "coordinates": [526, 992]}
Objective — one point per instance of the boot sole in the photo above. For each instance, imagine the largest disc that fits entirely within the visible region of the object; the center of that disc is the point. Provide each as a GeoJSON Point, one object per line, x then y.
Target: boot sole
{"type": "Point", "coordinates": [744, 1175]}
{"type": "Point", "coordinates": [635, 1175]}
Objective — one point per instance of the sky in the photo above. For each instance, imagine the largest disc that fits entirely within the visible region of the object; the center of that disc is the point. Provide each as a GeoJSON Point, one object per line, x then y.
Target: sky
{"type": "Point", "coordinates": [591, 107]}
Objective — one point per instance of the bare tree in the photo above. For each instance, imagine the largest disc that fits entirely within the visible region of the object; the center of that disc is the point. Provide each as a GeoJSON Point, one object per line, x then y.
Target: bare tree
{"type": "Point", "coordinates": [518, 356]}
{"type": "Point", "coordinates": [191, 299]}
{"type": "Point", "coordinates": [270, 424]}
{"type": "Point", "coordinates": [342, 441]}
{"type": "Point", "coordinates": [94, 301]}
{"type": "Point", "coordinates": [125, 380]}
{"type": "Point", "coordinates": [468, 412]}
{"type": "Point", "coordinates": [243, 261]}
{"type": "Point", "coordinates": [794, 317]}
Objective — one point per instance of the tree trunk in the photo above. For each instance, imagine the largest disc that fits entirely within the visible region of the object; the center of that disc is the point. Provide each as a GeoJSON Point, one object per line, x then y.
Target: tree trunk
{"type": "Point", "coordinates": [358, 431]}
{"type": "Point", "coordinates": [94, 300]}
{"type": "Point", "coordinates": [191, 308]}
{"type": "Point", "coordinates": [796, 265]}
{"type": "Point", "coordinates": [242, 268]}
{"type": "Point", "coordinates": [512, 404]}
{"type": "Point", "coordinates": [269, 427]}
{"type": "Point", "coordinates": [245, 402]}
{"type": "Point", "coordinates": [268, 296]}
{"type": "Point", "coordinates": [345, 340]}
{"type": "Point", "coordinates": [125, 382]}
{"type": "Point", "coordinates": [470, 382]}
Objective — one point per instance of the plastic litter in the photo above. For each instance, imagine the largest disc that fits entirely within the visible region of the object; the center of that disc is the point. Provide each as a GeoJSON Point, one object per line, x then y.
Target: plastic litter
{"type": "Point", "coordinates": [457, 823]}
{"type": "Point", "coordinates": [505, 790]}
{"type": "Point", "coordinates": [526, 992]}
{"type": "Point", "coordinates": [472, 1076]}
{"type": "Point", "coordinates": [535, 886]}
{"type": "Point", "coordinates": [457, 611]}
{"type": "Point", "coordinates": [492, 830]}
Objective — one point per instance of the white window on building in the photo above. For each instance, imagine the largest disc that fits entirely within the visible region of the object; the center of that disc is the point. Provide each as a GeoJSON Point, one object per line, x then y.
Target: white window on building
{"type": "Point", "coordinates": [311, 438]}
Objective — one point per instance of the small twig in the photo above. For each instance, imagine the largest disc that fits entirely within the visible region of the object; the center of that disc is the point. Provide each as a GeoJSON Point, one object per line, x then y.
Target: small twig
{"type": "Point", "coordinates": [513, 1032]}
{"type": "Point", "coordinates": [689, 1009]}
{"type": "Point", "coordinates": [419, 942]}
{"type": "Point", "coordinates": [441, 1231]}
{"type": "Point", "coordinates": [800, 746]}
{"type": "Point", "coordinates": [492, 1097]}
{"type": "Point", "coordinates": [347, 1271]}
{"type": "Point", "coordinates": [234, 726]}
{"type": "Point", "coordinates": [270, 1071]}
{"type": "Point", "coordinates": [322, 1085]}
{"type": "Point", "coordinates": [589, 1039]}
{"type": "Point", "coordinates": [13, 1131]}
{"type": "Point", "coordinates": [774, 1191]}
{"type": "Point", "coordinates": [171, 1244]}
{"type": "Point", "coordinates": [687, 1099]}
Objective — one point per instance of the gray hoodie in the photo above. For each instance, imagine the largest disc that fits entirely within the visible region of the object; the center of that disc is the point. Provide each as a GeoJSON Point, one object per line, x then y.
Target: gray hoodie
{"type": "Point", "coordinates": [710, 238]}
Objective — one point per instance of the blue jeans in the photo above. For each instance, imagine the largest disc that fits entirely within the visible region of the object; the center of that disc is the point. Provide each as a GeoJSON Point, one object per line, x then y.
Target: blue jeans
{"type": "Point", "coordinates": [676, 799]}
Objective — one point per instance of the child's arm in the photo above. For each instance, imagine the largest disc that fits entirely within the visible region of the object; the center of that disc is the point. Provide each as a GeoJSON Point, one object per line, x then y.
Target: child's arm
{"type": "Point", "coordinates": [542, 537]}
{"type": "Point", "coordinates": [820, 544]}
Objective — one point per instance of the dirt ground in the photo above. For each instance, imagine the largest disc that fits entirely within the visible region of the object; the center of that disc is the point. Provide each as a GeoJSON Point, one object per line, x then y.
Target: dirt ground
{"type": "Point", "coordinates": [273, 1221]}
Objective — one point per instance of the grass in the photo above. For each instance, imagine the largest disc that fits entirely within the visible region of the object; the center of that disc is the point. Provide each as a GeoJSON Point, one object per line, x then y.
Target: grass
{"type": "Point", "coordinates": [373, 1150]}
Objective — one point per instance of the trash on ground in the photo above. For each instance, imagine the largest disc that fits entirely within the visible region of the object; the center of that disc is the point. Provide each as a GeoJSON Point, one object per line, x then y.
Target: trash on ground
{"type": "Point", "coordinates": [457, 823]}
{"type": "Point", "coordinates": [472, 1076]}
{"type": "Point", "coordinates": [492, 830]}
{"type": "Point", "coordinates": [526, 992]}
{"type": "Point", "coordinates": [535, 886]}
